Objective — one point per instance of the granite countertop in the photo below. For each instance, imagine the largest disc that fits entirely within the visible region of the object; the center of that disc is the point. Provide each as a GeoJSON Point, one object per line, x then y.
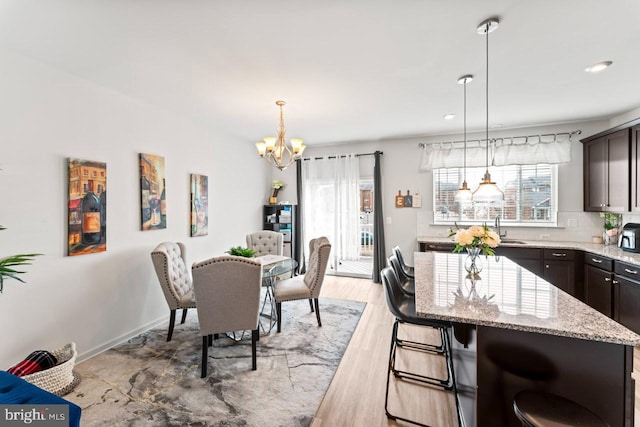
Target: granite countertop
{"type": "Point", "coordinates": [507, 296]}
{"type": "Point", "coordinates": [611, 251]}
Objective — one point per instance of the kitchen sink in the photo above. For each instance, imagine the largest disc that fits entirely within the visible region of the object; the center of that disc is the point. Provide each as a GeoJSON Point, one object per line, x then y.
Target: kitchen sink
{"type": "Point", "coordinates": [512, 242]}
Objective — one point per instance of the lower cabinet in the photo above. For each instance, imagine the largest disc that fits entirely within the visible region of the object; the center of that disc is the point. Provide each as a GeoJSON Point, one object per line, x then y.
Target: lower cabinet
{"type": "Point", "coordinates": [626, 295]}
{"type": "Point", "coordinates": [598, 286]}
{"type": "Point", "coordinates": [560, 270]}
{"type": "Point", "coordinates": [529, 258]}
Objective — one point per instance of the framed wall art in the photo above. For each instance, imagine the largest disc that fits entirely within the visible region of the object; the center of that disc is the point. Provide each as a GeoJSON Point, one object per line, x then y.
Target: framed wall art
{"type": "Point", "coordinates": [199, 205]}
{"type": "Point", "coordinates": [153, 194]}
{"type": "Point", "coordinates": [87, 207]}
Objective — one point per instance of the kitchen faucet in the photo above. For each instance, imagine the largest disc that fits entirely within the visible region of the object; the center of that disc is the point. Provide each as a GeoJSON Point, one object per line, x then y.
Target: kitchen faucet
{"type": "Point", "coordinates": [497, 225]}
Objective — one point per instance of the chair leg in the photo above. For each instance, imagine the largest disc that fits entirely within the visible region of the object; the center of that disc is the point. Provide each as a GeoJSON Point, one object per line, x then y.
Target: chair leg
{"type": "Point", "coordinates": [315, 301]}
{"type": "Point", "coordinates": [255, 335]}
{"type": "Point", "coordinates": [184, 315]}
{"type": "Point", "coordinates": [210, 340]}
{"type": "Point", "coordinates": [311, 304]}
{"type": "Point", "coordinates": [216, 336]}
{"type": "Point", "coordinates": [172, 322]}
{"type": "Point", "coordinates": [205, 348]}
{"type": "Point", "coordinates": [279, 315]}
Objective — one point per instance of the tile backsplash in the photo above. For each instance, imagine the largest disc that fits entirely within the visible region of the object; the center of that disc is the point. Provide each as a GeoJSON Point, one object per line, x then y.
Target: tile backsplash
{"type": "Point", "coordinates": [572, 227]}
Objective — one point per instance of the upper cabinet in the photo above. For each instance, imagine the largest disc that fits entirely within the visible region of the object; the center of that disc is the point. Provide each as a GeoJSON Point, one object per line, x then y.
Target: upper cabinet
{"type": "Point", "coordinates": [635, 168]}
{"type": "Point", "coordinates": [607, 171]}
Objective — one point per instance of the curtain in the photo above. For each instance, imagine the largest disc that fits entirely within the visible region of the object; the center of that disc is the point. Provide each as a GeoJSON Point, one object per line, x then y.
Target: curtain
{"type": "Point", "coordinates": [299, 241]}
{"type": "Point", "coordinates": [379, 252]}
{"type": "Point", "coordinates": [331, 204]}
{"type": "Point", "coordinates": [502, 152]}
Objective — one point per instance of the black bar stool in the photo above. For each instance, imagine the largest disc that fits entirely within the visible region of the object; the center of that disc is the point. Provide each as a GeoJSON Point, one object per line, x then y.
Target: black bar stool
{"type": "Point", "coordinates": [408, 270]}
{"type": "Point", "coordinates": [407, 283]}
{"type": "Point", "coordinates": [402, 306]}
{"type": "Point", "coordinates": [539, 409]}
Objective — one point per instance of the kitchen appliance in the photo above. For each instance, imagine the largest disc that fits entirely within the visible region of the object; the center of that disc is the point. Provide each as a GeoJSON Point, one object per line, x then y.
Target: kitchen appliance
{"type": "Point", "coordinates": [629, 240]}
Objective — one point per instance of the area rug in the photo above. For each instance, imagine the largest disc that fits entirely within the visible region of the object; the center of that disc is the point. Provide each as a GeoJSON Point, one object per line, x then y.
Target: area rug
{"type": "Point", "coordinates": [150, 382]}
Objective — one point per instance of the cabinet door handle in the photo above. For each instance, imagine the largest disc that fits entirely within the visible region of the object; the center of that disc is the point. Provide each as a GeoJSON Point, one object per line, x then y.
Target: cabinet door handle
{"type": "Point", "coordinates": [607, 279]}
{"type": "Point", "coordinates": [597, 261]}
{"type": "Point", "coordinates": [615, 282]}
{"type": "Point", "coordinates": [431, 246]}
{"type": "Point", "coordinates": [631, 271]}
{"type": "Point", "coordinates": [546, 266]}
{"type": "Point", "coordinates": [557, 254]}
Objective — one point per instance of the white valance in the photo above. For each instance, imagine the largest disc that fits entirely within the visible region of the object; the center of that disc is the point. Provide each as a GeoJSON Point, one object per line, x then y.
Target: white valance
{"type": "Point", "coordinates": [527, 150]}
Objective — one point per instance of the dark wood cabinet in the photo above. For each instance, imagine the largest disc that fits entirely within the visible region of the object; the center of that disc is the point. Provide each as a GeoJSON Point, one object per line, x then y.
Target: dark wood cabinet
{"type": "Point", "coordinates": [436, 247]}
{"type": "Point", "coordinates": [598, 286]}
{"type": "Point", "coordinates": [560, 270]}
{"type": "Point", "coordinates": [529, 258]}
{"type": "Point", "coordinates": [626, 295]}
{"type": "Point", "coordinates": [635, 168]}
{"type": "Point", "coordinates": [607, 172]}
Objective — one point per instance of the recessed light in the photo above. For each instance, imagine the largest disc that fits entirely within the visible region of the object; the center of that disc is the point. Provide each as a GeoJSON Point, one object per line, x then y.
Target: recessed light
{"type": "Point", "coordinates": [600, 66]}
{"type": "Point", "coordinates": [449, 116]}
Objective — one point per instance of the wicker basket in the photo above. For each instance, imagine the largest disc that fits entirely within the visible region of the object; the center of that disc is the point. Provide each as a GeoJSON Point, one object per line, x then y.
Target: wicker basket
{"type": "Point", "coordinates": [59, 379]}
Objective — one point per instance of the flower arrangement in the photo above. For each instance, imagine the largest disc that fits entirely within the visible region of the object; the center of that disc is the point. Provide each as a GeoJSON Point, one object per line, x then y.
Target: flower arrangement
{"type": "Point", "coordinates": [475, 237]}
{"type": "Point", "coordinates": [277, 186]}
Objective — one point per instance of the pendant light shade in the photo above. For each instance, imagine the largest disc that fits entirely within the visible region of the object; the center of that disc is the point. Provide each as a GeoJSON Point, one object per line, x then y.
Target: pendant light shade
{"type": "Point", "coordinates": [487, 191]}
{"type": "Point", "coordinates": [464, 195]}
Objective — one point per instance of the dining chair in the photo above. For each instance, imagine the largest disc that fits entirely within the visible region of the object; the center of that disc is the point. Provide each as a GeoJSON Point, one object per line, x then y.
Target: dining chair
{"type": "Point", "coordinates": [307, 286]}
{"type": "Point", "coordinates": [266, 242]}
{"type": "Point", "coordinates": [228, 292]}
{"type": "Point", "coordinates": [407, 269]}
{"type": "Point", "coordinates": [169, 261]}
{"type": "Point", "coordinates": [403, 308]}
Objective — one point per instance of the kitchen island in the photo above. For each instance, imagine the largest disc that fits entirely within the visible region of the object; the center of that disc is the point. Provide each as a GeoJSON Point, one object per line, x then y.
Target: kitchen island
{"type": "Point", "coordinates": [515, 331]}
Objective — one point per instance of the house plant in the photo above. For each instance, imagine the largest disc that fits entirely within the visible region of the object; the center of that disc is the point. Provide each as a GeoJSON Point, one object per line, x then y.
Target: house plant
{"type": "Point", "coordinates": [8, 264]}
{"type": "Point", "coordinates": [475, 240]}
{"type": "Point", "coordinates": [240, 251]}
{"type": "Point", "coordinates": [611, 227]}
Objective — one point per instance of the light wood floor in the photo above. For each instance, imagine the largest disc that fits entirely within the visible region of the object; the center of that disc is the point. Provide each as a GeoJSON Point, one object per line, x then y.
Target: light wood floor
{"type": "Point", "coordinates": [356, 395]}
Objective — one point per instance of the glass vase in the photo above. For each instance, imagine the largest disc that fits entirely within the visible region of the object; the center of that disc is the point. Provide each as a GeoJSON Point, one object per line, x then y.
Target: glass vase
{"type": "Point", "coordinates": [473, 261]}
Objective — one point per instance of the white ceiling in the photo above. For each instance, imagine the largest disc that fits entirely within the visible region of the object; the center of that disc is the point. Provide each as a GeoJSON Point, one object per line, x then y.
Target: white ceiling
{"type": "Point", "coordinates": [349, 70]}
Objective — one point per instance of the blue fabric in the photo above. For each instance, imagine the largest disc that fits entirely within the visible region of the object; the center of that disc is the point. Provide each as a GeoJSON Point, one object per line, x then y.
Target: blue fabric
{"type": "Point", "coordinates": [16, 391]}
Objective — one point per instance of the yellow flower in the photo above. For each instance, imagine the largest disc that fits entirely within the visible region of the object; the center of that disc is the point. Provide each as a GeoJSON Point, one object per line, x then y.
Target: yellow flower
{"type": "Point", "coordinates": [476, 230]}
{"type": "Point", "coordinates": [464, 237]}
{"type": "Point", "coordinates": [493, 240]}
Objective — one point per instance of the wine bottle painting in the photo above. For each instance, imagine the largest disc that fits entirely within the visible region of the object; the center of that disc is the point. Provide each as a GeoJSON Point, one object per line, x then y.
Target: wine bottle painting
{"type": "Point", "coordinates": [199, 205]}
{"type": "Point", "coordinates": [87, 227]}
{"type": "Point", "coordinates": [153, 194]}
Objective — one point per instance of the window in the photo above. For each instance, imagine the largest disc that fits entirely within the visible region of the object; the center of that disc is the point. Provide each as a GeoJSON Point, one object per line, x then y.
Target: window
{"type": "Point", "coordinates": [530, 195]}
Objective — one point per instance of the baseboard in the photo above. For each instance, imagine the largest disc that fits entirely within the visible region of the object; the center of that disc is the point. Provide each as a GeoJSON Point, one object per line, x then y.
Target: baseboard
{"type": "Point", "coordinates": [119, 340]}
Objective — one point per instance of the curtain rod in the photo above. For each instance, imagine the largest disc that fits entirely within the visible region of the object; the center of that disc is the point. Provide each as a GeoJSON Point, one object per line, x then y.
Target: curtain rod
{"type": "Point", "coordinates": [510, 139]}
{"type": "Point", "coordinates": [334, 157]}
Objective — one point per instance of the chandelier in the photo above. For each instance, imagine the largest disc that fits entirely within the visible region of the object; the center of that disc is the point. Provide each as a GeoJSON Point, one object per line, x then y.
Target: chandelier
{"type": "Point", "coordinates": [275, 149]}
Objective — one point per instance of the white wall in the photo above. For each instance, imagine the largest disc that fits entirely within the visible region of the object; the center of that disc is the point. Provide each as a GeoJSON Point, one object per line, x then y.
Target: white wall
{"type": "Point", "coordinates": [97, 300]}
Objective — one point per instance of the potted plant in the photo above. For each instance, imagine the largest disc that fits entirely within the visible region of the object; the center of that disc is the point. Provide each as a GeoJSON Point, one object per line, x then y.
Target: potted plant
{"type": "Point", "coordinates": [611, 225]}
{"type": "Point", "coordinates": [8, 264]}
{"type": "Point", "coordinates": [240, 251]}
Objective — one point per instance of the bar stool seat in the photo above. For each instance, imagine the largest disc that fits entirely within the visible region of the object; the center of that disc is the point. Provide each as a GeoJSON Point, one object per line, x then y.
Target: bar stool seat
{"type": "Point", "coordinates": [538, 409]}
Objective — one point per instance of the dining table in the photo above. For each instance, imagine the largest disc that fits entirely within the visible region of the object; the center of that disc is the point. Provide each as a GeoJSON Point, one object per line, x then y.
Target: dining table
{"type": "Point", "coordinates": [274, 267]}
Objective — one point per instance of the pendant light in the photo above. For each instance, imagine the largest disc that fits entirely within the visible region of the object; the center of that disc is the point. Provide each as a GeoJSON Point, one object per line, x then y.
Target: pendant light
{"type": "Point", "coordinates": [487, 191]}
{"type": "Point", "coordinates": [463, 195]}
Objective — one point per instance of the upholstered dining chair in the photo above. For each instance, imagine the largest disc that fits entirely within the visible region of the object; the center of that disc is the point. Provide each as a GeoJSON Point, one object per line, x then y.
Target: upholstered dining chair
{"type": "Point", "coordinates": [307, 286]}
{"type": "Point", "coordinates": [266, 242]}
{"type": "Point", "coordinates": [169, 261]}
{"type": "Point", "coordinates": [228, 292]}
